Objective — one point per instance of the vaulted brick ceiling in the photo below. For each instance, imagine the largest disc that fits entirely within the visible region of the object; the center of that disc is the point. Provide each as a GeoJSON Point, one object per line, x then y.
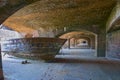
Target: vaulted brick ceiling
{"type": "Point", "coordinates": [76, 34]}
{"type": "Point", "coordinates": [61, 13]}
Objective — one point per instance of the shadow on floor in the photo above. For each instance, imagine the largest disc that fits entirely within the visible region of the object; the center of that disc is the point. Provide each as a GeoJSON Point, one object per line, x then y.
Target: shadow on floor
{"type": "Point", "coordinates": [73, 60]}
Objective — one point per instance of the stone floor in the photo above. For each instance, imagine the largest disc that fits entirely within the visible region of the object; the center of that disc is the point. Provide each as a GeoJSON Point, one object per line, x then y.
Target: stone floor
{"type": "Point", "coordinates": [79, 52]}
{"type": "Point", "coordinates": [65, 67]}
{"type": "Point", "coordinates": [70, 64]}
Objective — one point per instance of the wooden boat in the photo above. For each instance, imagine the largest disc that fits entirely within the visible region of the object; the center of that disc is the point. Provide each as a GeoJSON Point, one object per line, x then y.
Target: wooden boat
{"type": "Point", "coordinates": [35, 48]}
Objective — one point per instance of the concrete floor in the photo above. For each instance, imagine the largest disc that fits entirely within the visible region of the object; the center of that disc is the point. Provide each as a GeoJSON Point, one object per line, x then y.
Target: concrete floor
{"type": "Point", "coordinates": [64, 67]}
{"type": "Point", "coordinates": [79, 52]}
{"type": "Point", "coordinates": [61, 70]}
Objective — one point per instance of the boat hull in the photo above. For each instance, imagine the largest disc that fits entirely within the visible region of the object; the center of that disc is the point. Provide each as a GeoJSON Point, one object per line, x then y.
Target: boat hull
{"type": "Point", "coordinates": [34, 48]}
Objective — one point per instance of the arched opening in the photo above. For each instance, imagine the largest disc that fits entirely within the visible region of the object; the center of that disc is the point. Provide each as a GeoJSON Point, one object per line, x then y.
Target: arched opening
{"type": "Point", "coordinates": [81, 43]}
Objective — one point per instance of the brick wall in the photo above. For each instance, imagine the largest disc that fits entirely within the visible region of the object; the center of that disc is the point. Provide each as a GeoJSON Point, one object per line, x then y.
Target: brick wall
{"type": "Point", "coordinates": [113, 44]}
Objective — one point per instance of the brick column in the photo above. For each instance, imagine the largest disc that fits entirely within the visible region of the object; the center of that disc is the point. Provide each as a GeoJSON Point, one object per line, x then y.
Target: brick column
{"type": "Point", "coordinates": [101, 44]}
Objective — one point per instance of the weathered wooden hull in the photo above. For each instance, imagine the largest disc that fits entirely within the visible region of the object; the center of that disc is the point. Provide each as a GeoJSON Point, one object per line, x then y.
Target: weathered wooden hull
{"type": "Point", "coordinates": [37, 48]}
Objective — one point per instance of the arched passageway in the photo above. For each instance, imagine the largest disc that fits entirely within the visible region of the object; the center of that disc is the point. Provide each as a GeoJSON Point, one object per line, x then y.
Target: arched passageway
{"type": "Point", "coordinates": [81, 43]}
